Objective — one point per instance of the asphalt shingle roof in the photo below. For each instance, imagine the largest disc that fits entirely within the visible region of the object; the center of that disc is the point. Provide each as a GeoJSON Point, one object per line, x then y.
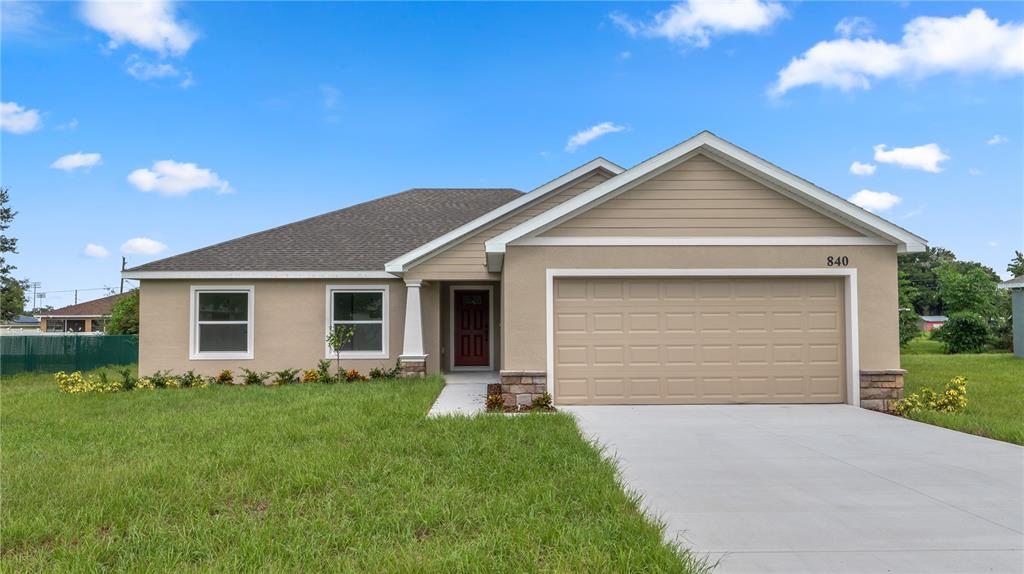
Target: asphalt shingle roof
{"type": "Point", "coordinates": [97, 307]}
{"type": "Point", "coordinates": [359, 238]}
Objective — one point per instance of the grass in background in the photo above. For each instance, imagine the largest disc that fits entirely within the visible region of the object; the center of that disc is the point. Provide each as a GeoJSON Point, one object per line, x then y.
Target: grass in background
{"type": "Point", "coordinates": [995, 389]}
{"type": "Point", "coordinates": [349, 477]}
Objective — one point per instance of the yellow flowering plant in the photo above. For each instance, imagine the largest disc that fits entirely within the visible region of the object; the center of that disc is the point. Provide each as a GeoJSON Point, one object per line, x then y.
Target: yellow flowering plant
{"type": "Point", "coordinates": [953, 399]}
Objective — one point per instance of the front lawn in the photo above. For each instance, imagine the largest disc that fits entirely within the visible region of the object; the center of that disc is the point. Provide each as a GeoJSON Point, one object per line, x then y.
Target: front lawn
{"type": "Point", "coordinates": [348, 477]}
{"type": "Point", "coordinates": [995, 390]}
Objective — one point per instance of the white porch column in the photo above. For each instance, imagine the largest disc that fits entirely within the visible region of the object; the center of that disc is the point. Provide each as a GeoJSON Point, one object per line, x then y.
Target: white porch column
{"type": "Point", "coordinates": [413, 359]}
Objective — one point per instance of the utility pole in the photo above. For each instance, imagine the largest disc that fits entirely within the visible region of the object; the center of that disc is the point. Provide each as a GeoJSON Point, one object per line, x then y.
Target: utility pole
{"type": "Point", "coordinates": [76, 296]}
{"type": "Point", "coordinates": [35, 285]}
{"type": "Point", "coordinates": [124, 261]}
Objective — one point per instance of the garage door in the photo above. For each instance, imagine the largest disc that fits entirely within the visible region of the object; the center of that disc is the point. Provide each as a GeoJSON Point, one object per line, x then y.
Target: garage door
{"type": "Point", "coordinates": [699, 340]}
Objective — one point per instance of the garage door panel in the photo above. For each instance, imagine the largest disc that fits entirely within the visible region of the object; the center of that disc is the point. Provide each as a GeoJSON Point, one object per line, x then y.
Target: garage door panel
{"type": "Point", "coordinates": [692, 340]}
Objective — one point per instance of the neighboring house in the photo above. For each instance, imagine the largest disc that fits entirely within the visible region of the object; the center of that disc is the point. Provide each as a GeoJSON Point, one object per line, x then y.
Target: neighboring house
{"type": "Point", "coordinates": [929, 322]}
{"type": "Point", "coordinates": [1016, 287]}
{"type": "Point", "coordinates": [21, 324]}
{"type": "Point", "coordinates": [87, 317]}
{"type": "Point", "coordinates": [704, 274]}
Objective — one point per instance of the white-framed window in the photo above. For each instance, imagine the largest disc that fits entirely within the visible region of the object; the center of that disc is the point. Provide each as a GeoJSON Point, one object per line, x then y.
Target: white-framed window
{"type": "Point", "coordinates": [222, 322]}
{"type": "Point", "coordinates": [364, 308]}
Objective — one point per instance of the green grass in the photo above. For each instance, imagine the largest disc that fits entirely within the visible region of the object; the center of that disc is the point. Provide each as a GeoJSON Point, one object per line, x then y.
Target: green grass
{"type": "Point", "coordinates": [311, 477]}
{"type": "Point", "coordinates": [924, 345]}
{"type": "Point", "coordinates": [995, 389]}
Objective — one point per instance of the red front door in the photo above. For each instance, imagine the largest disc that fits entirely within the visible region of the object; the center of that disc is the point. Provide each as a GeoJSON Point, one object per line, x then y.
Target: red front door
{"type": "Point", "coordinates": [472, 329]}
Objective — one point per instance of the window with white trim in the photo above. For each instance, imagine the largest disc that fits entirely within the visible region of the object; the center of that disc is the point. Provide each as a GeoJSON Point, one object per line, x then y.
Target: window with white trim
{"type": "Point", "coordinates": [222, 322]}
{"type": "Point", "coordinates": [364, 309]}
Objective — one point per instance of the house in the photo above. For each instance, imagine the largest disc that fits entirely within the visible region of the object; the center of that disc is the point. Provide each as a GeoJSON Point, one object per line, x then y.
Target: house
{"type": "Point", "coordinates": [1016, 287]}
{"type": "Point", "coordinates": [704, 274]}
{"type": "Point", "coordinates": [20, 324]}
{"type": "Point", "coordinates": [87, 317]}
{"type": "Point", "coordinates": [929, 322]}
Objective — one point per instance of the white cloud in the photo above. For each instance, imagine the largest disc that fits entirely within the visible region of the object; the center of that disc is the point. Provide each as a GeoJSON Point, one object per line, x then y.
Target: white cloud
{"type": "Point", "coordinates": [996, 140]}
{"type": "Point", "coordinates": [623, 56]}
{"type": "Point", "coordinates": [590, 134]}
{"type": "Point", "coordinates": [21, 17]}
{"type": "Point", "coordinates": [169, 177]}
{"type": "Point", "coordinates": [143, 70]}
{"type": "Point", "coordinates": [858, 168]}
{"type": "Point", "coordinates": [77, 160]}
{"type": "Point", "coordinates": [142, 246]}
{"type": "Point", "coordinates": [70, 126]}
{"type": "Point", "coordinates": [96, 251]}
{"type": "Point", "coordinates": [874, 200]}
{"type": "Point", "coordinates": [17, 119]}
{"type": "Point", "coordinates": [150, 25]}
{"type": "Point", "coordinates": [854, 26]}
{"type": "Point", "coordinates": [965, 44]}
{"type": "Point", "coordinates": [974, 171]}
{"type": "Point", "coordinates": [924, 157]}
{"type": "Point", "coordinates": [993, 244]}
{"type": "Point", "coordinates": [695, 22]}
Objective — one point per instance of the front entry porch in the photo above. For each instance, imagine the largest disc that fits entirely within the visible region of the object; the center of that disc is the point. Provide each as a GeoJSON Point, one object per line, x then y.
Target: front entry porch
{"type": "Point", "coordinates": [451, 327]}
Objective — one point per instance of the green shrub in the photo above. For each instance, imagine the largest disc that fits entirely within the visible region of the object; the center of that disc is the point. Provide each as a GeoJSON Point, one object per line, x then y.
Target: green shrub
{"type": "Point", "coordinates": [250, 377]}
{"type": "Point", "coordinates": [286, 377]}
{"type": "Point", "coordinates": [965, 332]}
{"type": "Point", "coordinates": [128, 380]}
{"type": "Point", "coordinates": [542, 401]}
{"type": "Point", "coordinates": [225, 377]}
{"type": "Point", "coordinates": [495, 403]}
{"type": "Point", "coordinates": [323, 372]}
{"type": "Point", "coordinates": [951, 400]}
{"type": "Point", "coordinates": [191, 379]}
{"type": "Point", "coordinates": [909, 329]}
{"type": "Point", "coordinates": [160, 379]}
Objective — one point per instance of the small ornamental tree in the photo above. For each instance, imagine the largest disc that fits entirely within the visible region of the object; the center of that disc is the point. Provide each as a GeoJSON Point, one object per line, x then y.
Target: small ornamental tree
{"type": "Point", "coordinates": [337, 339]}
{"type": "Point", "coordinates": [124, 317]}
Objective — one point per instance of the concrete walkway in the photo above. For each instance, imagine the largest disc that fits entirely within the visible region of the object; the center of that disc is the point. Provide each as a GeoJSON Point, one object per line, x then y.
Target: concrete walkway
{"type": "Point", "coordinates": [463, 393]}
{"type": "Point", "coordinates": [819, 488]}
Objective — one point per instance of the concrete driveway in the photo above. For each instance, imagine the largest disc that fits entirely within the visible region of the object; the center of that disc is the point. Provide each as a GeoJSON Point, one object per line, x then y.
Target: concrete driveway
{"type": "Point", "coordinates": [829, 488]}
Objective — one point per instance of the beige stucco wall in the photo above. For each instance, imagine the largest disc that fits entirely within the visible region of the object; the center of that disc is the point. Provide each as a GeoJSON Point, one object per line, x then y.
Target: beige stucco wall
{"type": "Point", "coordinates": [524, 288]}
{"type": "Point", "coordinates": [290, 325]}
{"type": "Point", "coordinates": [465, 260]}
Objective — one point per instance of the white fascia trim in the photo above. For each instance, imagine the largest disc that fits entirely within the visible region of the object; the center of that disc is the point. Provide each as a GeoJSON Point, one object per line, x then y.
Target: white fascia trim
{"type": "Point", "coordinates": [707, 141]}
{"type": "Point", "coordinates": [850, 302]}
{"type": "Point", "coordinates": [399, 264]}
{"type": "Point", "coordinates": [650, 241]}
{"type": "Point", "coordinates": [257, 275]}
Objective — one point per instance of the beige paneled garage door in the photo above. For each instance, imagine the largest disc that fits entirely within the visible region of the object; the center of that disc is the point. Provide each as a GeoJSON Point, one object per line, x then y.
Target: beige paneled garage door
{"type": "Point", "coordinates": [699, 340]}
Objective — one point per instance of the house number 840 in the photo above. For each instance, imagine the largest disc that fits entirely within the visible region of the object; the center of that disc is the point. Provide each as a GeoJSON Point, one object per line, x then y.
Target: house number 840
{"type": "Point", "coordinates": [841, 261]}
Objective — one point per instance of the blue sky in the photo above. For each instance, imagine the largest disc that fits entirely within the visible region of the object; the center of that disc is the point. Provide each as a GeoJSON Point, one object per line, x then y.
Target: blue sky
{"type": "Point", "coordinates": [213, 120]}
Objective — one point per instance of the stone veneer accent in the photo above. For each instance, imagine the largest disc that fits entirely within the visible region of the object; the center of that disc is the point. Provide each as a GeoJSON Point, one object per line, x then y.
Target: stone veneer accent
{"type": "Point", "coordinates": [521, 387]}
{"type": "Point", "coordinates": [413, 368]}
{"type": "Point", "coordinates": [879, 389]}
